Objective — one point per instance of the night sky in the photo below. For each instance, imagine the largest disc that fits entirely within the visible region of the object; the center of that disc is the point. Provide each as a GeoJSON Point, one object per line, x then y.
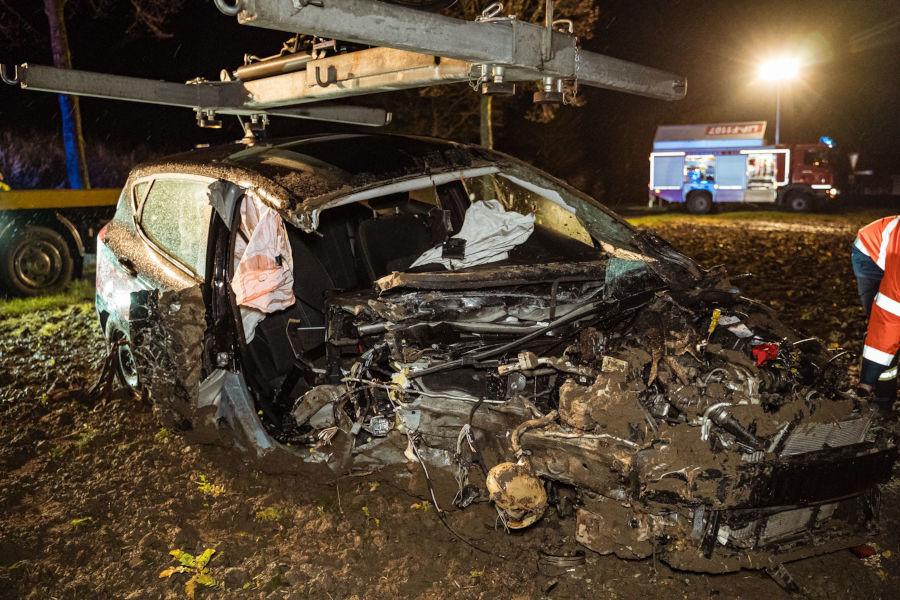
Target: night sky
{"type": "Point", "coordinates": [848, 89]}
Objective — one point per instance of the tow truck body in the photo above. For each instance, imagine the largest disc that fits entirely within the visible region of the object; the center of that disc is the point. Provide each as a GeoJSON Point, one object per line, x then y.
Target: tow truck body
{"type": "Point", "coordinates": [45, 235]}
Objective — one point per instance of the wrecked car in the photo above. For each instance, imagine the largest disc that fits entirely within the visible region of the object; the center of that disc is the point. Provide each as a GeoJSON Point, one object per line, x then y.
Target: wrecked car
{"type": "Point", "coordinates": [358, 301]}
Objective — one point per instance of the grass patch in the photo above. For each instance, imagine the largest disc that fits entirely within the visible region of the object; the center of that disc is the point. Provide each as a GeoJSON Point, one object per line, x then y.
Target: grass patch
{"type": "Point", "coordinates": [195, 566]}
{"type": "Point", "coordinates": [857, 217]}
{"type": "Point", "coordinates": [85, 438]}
{"type": "Point", "coordinates": [209, 488]}
{"type": "Point", "coordinates": [79, 291]}
{"type": "Point", "coordinates": [268, 515]}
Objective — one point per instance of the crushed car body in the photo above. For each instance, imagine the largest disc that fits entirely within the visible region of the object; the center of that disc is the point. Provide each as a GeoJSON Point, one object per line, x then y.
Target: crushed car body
{"type": "Point", "coordinates": [425, 302]}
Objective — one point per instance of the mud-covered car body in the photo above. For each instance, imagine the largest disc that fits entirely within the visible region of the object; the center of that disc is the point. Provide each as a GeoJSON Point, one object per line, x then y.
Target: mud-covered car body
{"type": "Point", "coordinates": [591, 367]}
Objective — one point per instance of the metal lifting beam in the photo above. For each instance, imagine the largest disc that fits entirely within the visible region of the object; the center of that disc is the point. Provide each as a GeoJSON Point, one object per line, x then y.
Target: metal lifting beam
{"type": "Point", "coordinates": [509, 42]}
{"type": "Point", "coordinates": [118, 87]}
{"type": "Point", "coordinates": [338, 77]}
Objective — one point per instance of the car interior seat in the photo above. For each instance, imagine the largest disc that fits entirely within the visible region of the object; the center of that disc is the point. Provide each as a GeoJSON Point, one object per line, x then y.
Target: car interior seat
{"type": "Point", "coordinates": [393, 241]}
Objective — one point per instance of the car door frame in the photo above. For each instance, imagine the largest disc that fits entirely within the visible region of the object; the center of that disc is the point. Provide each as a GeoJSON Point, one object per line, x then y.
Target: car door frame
{"type": "Point", "coordinates": [138, 210]}
{"type": "Point", "coordinates": [168, 320]}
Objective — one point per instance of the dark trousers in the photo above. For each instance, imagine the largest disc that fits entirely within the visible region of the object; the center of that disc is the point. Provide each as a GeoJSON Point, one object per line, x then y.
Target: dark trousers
{"type": "Point", "coordinates": [868, 280]}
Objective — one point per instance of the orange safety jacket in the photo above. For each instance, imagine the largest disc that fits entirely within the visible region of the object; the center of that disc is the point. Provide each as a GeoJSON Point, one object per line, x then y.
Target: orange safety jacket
{"type": "Point", "coordinates": [880, 241]}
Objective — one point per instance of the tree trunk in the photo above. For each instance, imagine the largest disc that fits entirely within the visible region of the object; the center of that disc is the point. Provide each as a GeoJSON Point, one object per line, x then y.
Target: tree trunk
{"type": "Point", "coordinates": [487, 126]}
{"type": "Point", "coordinates": [69, 108]}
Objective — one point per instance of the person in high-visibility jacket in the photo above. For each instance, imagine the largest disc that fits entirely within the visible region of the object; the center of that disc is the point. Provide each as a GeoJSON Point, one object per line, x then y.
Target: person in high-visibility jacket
{"type": "Point", "coordinates": [876, 264]}
{"type": "Point", "coordinates": [3, 186]}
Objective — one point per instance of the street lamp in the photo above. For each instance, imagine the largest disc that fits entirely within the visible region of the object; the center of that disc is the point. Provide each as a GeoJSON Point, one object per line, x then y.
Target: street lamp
{"type": "Point", "coordinates": [779, 70]}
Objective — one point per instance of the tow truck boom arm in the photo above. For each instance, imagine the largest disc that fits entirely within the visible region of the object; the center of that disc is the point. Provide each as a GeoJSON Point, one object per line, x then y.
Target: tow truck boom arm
{"type": "Point", "coordinates": [510, 42]}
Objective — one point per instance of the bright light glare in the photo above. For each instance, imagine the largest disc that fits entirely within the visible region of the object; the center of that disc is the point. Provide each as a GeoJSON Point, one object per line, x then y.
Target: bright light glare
{"type": "Point", "coordinates": [779, 69]}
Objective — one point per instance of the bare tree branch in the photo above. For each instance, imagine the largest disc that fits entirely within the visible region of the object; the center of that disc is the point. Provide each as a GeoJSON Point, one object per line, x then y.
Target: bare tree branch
{"type": "Point", "coordinates": [14, 27]}
{"type": "Point", "coordinates": [153, 14]}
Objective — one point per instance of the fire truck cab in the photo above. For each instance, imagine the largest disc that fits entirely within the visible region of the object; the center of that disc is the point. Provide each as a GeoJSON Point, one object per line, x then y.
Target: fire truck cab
{"type": "Point", "coordinates": [704, 165]}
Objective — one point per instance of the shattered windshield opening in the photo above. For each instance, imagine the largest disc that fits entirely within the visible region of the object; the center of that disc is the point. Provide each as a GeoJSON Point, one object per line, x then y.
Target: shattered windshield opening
{"type": "Point", "coordinates": [494, 216]}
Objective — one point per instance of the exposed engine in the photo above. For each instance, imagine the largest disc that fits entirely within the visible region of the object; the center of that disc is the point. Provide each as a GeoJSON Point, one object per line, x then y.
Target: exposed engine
{"type": "Point", "coordinates": [691, 424]}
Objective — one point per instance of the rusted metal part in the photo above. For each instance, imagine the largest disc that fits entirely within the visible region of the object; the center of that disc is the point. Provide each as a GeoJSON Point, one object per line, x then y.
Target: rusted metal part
{"type": "Point", "coordinates": [370, 71]}
{"type": "Point", "coordinates": [518, 493]}
{"type": "Point", "coordinates": [498, 276]}
{"type": "Point", "coordinates": [529, 424]}
{"type": "Point", "coordinates": [562, 561]}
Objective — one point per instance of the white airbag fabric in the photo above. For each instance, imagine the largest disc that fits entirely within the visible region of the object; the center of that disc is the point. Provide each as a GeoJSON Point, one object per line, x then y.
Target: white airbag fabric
{"type": "Point", "coordinates": [264, 274]}
{"type": "Point", "coordinates": [490, 232]}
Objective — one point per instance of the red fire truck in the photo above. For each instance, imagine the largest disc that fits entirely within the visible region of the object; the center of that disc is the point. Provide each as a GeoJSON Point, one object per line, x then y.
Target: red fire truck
{"type": "Point", "coordinates": [704, 165]}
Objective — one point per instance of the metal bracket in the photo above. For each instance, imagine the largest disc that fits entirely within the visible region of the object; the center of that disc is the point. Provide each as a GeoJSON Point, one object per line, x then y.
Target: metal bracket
{"type": "Point", "coordinates": [492, 13]}
{"type": "Point", "coordinates": [229, 8]}
{"type": "Point", "coordinates": [330, 76]}
{"type": "Point", "coordinates": [4, 75]}
{"type": "Point", "coordinates": [206, 119]}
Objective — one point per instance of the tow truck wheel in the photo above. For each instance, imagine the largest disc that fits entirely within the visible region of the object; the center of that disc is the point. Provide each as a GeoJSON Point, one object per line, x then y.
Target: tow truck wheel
{"type": "Point", "coordinates": [36, 260]}
{"type": "Point", "coordinates": [800, 202]}
{"type": "Point", "coordinates": [699, 203]}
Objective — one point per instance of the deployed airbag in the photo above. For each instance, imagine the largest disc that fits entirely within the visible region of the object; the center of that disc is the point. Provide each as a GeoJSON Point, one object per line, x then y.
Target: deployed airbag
{"type": "Point", "coordinates": [490, 232]}
{"type": "Point", "coordinates": [263, 279]}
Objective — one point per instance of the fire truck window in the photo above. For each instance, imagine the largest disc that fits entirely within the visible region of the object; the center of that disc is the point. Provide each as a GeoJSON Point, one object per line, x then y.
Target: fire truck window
{"type": "Point", "coordinates": [699, 168]}
{"type": "Point", "coordinates": [815, 157]}
{"type": "Point", "coordinates": [760, 170]}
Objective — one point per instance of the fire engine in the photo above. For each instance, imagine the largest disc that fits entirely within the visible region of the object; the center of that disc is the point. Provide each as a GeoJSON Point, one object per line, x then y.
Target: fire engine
{"type": "Point", "coordinates": [704, 165]}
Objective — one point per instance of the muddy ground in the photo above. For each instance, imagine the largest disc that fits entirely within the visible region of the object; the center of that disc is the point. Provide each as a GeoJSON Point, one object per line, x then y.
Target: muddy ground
{"type": "Point", "coordinates": [94, 494]}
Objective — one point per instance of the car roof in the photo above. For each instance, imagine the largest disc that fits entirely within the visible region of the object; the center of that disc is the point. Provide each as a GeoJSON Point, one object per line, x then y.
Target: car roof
{"type": "Point", "coordinates": [302, 174]}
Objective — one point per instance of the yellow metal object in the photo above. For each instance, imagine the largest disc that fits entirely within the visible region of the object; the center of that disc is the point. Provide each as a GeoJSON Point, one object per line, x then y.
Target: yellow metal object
{"type": "Point", "coordinates": [400, 382]}
{"type": "Point", "coordinates": [714, 321]}
{"type": "Point", "coordinates": [518, 493]}
{"type": "Point", "coordinates": [37, 199]}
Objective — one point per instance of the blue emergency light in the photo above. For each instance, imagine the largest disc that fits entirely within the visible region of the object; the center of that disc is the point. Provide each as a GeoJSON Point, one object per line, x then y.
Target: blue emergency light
{"type": "Point", "coordinates": [827, 140]}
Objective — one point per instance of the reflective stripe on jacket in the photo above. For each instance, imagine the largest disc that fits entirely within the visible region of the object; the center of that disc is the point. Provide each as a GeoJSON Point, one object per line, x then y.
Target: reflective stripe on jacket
{"type": "Point", "coordinates": [880, 241]}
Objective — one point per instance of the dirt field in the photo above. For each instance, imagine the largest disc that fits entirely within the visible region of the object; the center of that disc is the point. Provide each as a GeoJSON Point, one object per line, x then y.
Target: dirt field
{"type": "Point", "coordinates": [95, 495]}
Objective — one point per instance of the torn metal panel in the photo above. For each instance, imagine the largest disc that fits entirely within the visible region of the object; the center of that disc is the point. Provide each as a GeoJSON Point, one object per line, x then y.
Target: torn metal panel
{"type": "Point", "coordinates": [229, 412]}
{"type": "Point", "coordinates": [167, 331]}
{"type": "Point", "coordinates": [223, 197]}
